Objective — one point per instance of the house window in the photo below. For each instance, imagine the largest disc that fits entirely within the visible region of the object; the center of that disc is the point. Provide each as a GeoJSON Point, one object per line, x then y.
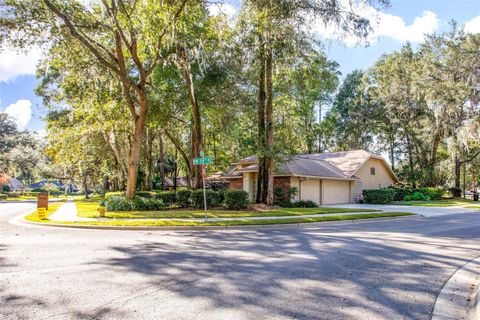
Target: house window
{"type": "Point", "coordinates": [372, 171]}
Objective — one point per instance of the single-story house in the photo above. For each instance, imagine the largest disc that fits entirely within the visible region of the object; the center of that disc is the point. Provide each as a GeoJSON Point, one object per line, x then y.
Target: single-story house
{"type": "Point", "coordinates": [324, 178]}
{"type": "Point", "coordinates": [16, 185]}
{"type": "Point", "coordinates": [168, 184]}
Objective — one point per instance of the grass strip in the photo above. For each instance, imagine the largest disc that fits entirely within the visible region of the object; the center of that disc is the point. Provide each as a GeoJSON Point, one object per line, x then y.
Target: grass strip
{"type": "Point", "coordinates": [87, 209]}
{"type": "Point", "coordinates": [52, 207]}
{"type": "Point", "coordinates": [169, 223]}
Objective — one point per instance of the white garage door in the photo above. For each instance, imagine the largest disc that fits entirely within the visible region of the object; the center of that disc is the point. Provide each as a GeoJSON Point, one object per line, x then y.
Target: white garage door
{"type": "Point", "coordinates": [335, 191]}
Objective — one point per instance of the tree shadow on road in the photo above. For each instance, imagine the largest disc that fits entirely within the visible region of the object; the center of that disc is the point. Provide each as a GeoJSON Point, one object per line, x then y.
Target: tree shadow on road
{"type": "Point", "coordinates": [306, 273]}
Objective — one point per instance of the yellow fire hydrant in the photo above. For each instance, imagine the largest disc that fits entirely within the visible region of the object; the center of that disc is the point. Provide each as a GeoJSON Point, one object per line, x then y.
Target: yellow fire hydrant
{"type": "Point", "coordinates": [101, 212]}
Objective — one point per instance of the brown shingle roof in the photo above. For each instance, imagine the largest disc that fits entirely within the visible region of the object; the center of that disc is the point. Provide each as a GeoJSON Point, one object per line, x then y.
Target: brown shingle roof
{"type": "Point", "coordinates": [335, 165]}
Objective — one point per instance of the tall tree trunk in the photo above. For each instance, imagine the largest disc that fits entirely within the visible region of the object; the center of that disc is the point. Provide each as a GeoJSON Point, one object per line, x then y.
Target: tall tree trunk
{"type": "Point", "coordinates": [392, 151]}
{"type": "Point", "coordinates": [260, 196]}
{"type": "Point", "coordinates": [457, 172]}
{"type": "Point", "coordinates": [433, 155]}
{"type": "Point", "coordinates": [269, 123]}
{"type": "Point", "coordinates": [175, 172]}
{"type": "Point", "coordinates": [410, 162]}
{"type": "Point", "coordinates": [162, 161]}
{"type": "Point", "coordinates": [135, 150]}
{"type": "Point", "coordinates": [85, 186]}
{"type": "Point", "coordinates": [197, 139]}
{"type": "Point", "coordinates": [149, 158]}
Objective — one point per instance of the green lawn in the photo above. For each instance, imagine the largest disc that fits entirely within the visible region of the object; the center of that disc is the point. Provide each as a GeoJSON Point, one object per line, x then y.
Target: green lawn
{"type": "Point", "coordinates": [437, 203]}
{"type": "Point", "coordinates": [88, 209]}
{"type": "Point", "coordinates": [52, 207]}
{"type": "Point", "coordinates": [169, 223]}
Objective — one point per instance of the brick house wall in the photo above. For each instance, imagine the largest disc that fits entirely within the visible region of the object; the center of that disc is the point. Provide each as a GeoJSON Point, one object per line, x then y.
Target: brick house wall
{"type": "Point", "coordinates": [236, 184]}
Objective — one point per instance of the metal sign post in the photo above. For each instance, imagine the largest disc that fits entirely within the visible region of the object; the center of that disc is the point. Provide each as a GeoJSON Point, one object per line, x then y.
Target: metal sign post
{"type": "Point", "coordinates": [203, 162]}
{"type": "Point", "coordinates": [204, 191]}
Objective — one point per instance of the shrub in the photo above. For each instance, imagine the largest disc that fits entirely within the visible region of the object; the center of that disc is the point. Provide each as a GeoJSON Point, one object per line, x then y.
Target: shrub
{"type": "Point", "coordinates": [183, 198]}
{"type": "Point", "coordinates": [299, 204]}
{"type": "Point", "coordinates": [3, 196]}
{"type": "Point", "coordinates": [433, 193]}
{"type": "Point", "coordinates": [456, 192]}
{"type": "Point", "coordinates": [236, 199]}
{"type": "Point", "coordinates": [5, 188]}
{"type": "Point", "coordinates": [121, 203]}
{"type": "Point", "coordinates": [401, 192]}
{"type": "Point", "coordinates": [213, 198]}
{"type": "Point", "coordinates": [378, 196]}
{"type": "Point", "coordinates": [168, 197]}
{"type": "Point", "coordinates": [417, 196]}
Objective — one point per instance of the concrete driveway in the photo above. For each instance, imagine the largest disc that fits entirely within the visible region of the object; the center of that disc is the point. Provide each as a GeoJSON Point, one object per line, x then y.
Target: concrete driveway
{"type": "Point", "coordinates": [363, 270]}
{"type": "Point", "coordinates": [424, 211]}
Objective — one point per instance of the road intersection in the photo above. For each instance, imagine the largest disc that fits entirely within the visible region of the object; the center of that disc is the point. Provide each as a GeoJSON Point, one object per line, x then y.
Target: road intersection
{"type": "Point", "coordinates": [365, 270]}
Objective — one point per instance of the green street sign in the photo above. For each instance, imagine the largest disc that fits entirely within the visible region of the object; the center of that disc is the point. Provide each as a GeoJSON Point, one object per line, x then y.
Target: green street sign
{"type": "Point", "coordinates": [199, 161]}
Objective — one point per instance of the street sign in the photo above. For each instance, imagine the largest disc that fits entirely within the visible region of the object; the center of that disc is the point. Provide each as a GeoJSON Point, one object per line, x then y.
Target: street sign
{"type": "Point", "coordinates": [199, 161]}
{"type": "Point", "coordinates": [203, 161]}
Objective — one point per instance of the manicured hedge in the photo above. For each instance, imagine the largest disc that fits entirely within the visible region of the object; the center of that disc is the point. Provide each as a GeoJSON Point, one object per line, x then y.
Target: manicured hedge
{"type": "Point", "coordinates": [168, 197]}
{"type": "Point", "coordinates": [378, 196]}
{"type": "Point", "coordinates": [121, 203]}
{"type": "Point", "coordinates": [299, 204]}
{"type": "Point", "coordinates": [184, 198]}
{"type": "Point", "coordinates": [236, 199]}
{"type": "Point", "coordinates": [417, 196]}
{"type": "Point", "coordinates": [213, 198]}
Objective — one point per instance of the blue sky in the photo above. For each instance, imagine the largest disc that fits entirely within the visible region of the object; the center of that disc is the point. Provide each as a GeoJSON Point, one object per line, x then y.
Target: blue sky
{"type": "Point", "coordinates": [404, 20]}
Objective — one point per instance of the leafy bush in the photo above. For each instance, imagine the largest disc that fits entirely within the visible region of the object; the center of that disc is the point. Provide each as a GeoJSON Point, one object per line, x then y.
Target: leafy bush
{"type": "Point", "coordinates": [378, 196]}
{"type": "Point", "coordinates": [3, 196]}
{"type": "Point", "coordinates": [401, 192]}
{"type": "Point", "coordinates": [213, 198]}
{"type": "Point", "coordinates": [168, 197]}
{"type": "Point", "coordinates": [183, 198]}
{"type": "Point", "coordinates": [121, 203]}
{"type": "Point", "coordinates": [236, 199]}
{"type": "Point", "coordinates": [5, 188]}
{"type": "Point", "coordinates": [416, 196]}
{"type": "Point", "coordinates": [456, 192]}
{"type": "Point", "coordinates": [433, 193]}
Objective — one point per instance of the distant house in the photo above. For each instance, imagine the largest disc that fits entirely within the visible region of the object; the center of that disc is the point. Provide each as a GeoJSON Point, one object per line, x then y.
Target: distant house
{"type": "Point", "coordinates": [16, 185]}
{"type": "Point", "coordinates": [168, 184]}
{"type": "Point", "coordinates": [324, 178]}
{"type": "Point", "coordinates": [41, 184]}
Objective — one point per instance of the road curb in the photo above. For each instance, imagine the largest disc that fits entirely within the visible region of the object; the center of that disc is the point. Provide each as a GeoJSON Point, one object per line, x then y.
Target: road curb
{"type": "Point", "coordinates": [23, 221]}
{"type": "Point", "coordinates": [460, 295]}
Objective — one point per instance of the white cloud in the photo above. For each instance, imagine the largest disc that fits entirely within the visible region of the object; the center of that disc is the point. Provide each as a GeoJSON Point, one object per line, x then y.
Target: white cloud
{"type": "Point", "coordinates": [383, 24]}
{"type": "Point", "coordinates": [473, 26]}
{"type": "Point", "coordinates": [13, 64]}
{"type": "Point", "coordinates": [222, 8]}
{"type": "Point", "coordinates": [21, 112]}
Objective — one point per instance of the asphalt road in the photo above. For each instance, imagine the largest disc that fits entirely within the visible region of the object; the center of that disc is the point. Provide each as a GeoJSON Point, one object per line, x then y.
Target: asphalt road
{"type": "Point", "coordinates": [369, 270]}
